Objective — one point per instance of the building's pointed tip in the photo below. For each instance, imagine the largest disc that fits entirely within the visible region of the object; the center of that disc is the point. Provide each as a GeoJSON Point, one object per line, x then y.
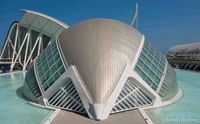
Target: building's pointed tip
{"type": "Point", "coordinates": [97, 111]}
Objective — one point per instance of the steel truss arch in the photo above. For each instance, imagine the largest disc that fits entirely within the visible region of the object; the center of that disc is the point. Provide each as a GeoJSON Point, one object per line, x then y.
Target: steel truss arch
{"type": "Point", "coordinates": [28, 37]}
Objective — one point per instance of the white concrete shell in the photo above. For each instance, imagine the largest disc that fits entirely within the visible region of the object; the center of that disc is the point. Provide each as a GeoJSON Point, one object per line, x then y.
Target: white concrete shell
{"type": "Point", "coordinates": [42, 22]}
{"type": "Point", "coordinates": [100, 51]}
{"type": "Point", "coordinates": [102, 54]}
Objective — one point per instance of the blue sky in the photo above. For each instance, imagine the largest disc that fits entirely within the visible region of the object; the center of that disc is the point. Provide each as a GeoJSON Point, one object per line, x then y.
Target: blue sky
{"type": "Point", "coordinates": [164, 22]}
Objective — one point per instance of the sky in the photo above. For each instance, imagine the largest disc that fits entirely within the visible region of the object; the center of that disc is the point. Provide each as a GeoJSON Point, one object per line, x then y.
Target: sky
{"type": "Point", "coordinates": [163, 22]}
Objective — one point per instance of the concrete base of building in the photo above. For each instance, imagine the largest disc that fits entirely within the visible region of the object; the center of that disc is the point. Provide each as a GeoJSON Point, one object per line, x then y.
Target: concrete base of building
{"type": "Point", "coordinates": [129, 117]}
{"type": "Point", "coordinates": [176, 98]}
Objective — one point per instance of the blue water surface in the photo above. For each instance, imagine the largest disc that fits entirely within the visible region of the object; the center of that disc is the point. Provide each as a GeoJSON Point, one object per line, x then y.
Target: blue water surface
{"type": "Point", "coordinates": [13, 110]}
{"type": "Point", "coordinates": [187, 109]}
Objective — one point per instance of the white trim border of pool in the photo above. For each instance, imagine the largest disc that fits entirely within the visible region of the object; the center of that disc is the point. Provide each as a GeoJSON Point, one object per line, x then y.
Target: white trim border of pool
{"type": "Point", "coordinates": [51, 117]}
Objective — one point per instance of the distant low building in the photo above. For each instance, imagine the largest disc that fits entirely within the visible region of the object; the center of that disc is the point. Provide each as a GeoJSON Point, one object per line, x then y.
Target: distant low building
{"type": "Point", "coordinates": [190, 48]}
{"type": "Point", "coordinates": [185, 56]}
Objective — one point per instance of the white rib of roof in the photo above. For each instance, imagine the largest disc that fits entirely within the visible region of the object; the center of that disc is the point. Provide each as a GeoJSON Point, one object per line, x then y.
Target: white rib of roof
{"type": "Point", "coordinates": [41, 22]}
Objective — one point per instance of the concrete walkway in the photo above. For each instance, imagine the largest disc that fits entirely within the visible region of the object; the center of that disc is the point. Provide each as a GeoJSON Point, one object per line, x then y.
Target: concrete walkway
{"type": "Point", "coordinates": [129, 117]}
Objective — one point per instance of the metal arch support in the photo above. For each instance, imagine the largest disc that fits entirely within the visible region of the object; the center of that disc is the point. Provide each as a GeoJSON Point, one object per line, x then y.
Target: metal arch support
{"type": "Point", "coordinates": [196, 66]}
{"type": "Point", "coordinates": [29, 57]}
{"type": "Point", "coordinates": [25, 38]}
{"type": "Point", "coordinates": [7, 40]}
{"type": "Point", "coordinates": [26, 41]}
{"type": "Point", "coordinates": [135, 15]}
{"type": "Point", "coordinates": [39, 38]}
{"type": "Point", "coordinates": [16, 38]}
{"type": "Point", "coordinates": [19, 46]}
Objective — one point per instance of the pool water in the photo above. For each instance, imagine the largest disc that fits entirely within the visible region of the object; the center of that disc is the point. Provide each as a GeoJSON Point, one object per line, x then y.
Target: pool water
{"type": "Point", "coordinates": [13, 110]}
{"type": "Point", "coordinates": [187, 109]}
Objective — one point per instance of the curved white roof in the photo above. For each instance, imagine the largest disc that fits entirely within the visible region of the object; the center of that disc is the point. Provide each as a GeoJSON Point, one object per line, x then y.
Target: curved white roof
{"type": "Point", "coordinates": [42, 22]}
{"type": "Point", "coordinates": [100, 49]}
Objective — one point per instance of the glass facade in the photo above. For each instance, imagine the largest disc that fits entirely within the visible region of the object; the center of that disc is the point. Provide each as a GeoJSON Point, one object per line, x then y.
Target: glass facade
{"type": "Point", "coordinates": [31, 89]}
{"type": "Point", "coordinates": [169, 87]}
{"type": "Point", "coordinates": [49, 66]}
{"type": "Point", "coordinates": [150, 65]}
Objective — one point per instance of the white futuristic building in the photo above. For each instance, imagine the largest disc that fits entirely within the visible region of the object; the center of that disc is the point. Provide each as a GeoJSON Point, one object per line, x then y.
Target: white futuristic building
{"type": "Point", "coordinates": [97, 67]}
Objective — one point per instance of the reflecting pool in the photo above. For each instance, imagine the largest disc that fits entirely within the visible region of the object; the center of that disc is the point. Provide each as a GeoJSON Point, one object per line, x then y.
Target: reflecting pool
{"type": "Point", "coordinates": [187, 109]}
{"type": "Point", "coordinates": [13, 110]}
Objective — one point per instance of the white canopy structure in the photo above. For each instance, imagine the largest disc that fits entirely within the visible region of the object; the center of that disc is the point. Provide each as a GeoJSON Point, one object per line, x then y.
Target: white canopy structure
{"type": "Point", "coordinates": [28, 37]}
